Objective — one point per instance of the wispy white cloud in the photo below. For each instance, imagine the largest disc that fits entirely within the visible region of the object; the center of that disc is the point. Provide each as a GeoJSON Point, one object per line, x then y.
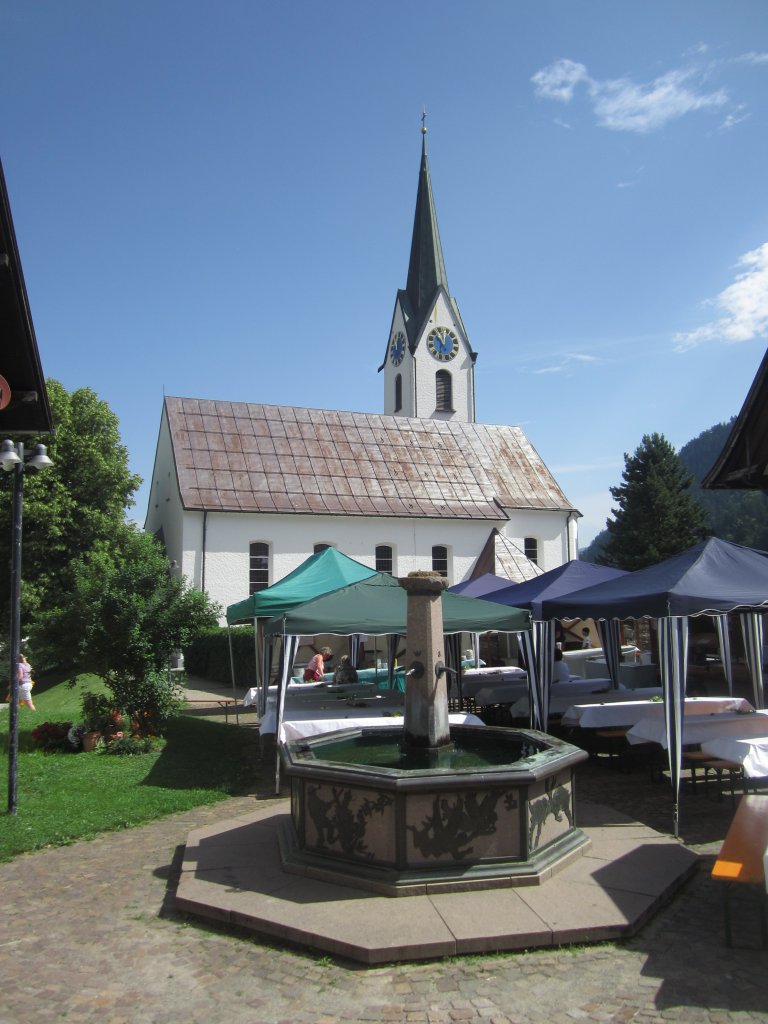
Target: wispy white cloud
{"type": "Point", "coordinates": [602, 462]}
{"type": "Point", "coordinates": [559, 80]}
{"type": "Point", "coordinates": [744, 305]}
{"type": "Point", "coordinates": [549, 369]}
{"type": "Point", "coordinates": [735, 117]}
{"type": "Point", "coordinates": [621, 104]}
{"type": "Point", "coordinates": [697, 50]}
{"type": "Point", "coordinates": [563, 365]}
{"type": "Point", "coordinates": [752, 58]}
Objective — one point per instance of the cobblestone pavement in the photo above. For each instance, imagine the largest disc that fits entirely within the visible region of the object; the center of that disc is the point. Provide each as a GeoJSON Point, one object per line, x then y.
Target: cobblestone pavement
{"type": "Point", "coordinates": [89, 934]}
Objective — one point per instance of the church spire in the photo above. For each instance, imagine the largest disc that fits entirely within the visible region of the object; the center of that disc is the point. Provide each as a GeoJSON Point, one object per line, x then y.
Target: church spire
{"type": "Point", "coordinates": [426, 270]}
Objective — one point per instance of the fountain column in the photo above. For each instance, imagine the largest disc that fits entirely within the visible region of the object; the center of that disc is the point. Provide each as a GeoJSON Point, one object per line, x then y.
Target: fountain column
{"type": "Point", "coordinates": [426, 692]}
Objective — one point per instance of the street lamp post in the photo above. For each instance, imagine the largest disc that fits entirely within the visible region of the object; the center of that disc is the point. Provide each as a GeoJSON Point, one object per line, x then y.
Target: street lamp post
{"type": "Point", "coordinates": [12, 460]}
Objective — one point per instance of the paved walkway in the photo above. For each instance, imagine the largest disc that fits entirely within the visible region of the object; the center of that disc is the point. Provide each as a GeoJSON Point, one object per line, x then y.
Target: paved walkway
{"type": "Point", "coordinates": [88, 933]}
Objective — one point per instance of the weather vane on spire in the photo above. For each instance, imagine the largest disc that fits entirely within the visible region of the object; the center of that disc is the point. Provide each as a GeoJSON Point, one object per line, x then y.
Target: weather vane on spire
{"type": "Point", "coordinates": [423, 120]}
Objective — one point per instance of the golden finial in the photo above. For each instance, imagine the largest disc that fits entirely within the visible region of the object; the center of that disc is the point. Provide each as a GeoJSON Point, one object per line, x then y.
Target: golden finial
{"type": "Point", "coordinates": [424, 121]}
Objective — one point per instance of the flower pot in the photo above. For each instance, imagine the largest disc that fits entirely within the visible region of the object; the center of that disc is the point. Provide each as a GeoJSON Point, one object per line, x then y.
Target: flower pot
{"type": "Point", "coordinates": [90, 739]}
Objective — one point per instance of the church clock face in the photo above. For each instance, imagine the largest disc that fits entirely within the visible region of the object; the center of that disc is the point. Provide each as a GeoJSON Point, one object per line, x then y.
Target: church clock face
{"type": "Point", "coordinates": [397, 348]}
{"type": "Point", "coordinates": [442, 343]}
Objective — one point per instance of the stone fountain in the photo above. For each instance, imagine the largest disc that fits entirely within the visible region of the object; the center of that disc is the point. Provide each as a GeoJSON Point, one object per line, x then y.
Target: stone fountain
{"type": "Point", "coordinates": [425, 806]}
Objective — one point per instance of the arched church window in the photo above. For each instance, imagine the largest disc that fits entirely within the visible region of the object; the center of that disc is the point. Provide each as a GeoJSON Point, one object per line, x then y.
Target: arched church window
{"type": "Point", "coordinates": [443, 391]}
{"type": "Point", "coordinates": [440, 559]}
{"type": "Point", "coordinates": [384, 558]}
{"type": "Point", "coordinates": [398, 392]}
{"type": "Point", "coordinates": [258, 575]}
{"type": "Point", "coordinates": [532, 549]}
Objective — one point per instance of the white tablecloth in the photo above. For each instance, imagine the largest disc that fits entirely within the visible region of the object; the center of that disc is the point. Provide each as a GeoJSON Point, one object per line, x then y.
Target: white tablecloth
{"type": "Point", "coordinates": [297, 728]}
{"type": "Point", "coordinates": [701, 728]}
{"type": "Point", "coordinates": [308, 691]}
{"type": "Point", "coordinates": [576, 659]}
{"type": "Point", "coordinates": [751, 752]}
{"type": "Point", "coordinates": [628, 712]}
{"type": "Point", "coordinates": [632, 675]}
{"type": "Point", "coordinates": [474, 679]}
{"type": "Point", "coordinates": [563, 695]}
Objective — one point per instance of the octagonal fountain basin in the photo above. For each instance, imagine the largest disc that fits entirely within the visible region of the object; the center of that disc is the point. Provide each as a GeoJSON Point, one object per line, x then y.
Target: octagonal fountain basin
{"type": "Point", "coordinates": [494, 808]}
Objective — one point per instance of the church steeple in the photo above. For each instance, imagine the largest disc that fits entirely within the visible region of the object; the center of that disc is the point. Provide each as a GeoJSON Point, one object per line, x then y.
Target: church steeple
{"type": "Point", "coordinates": [429, 364]}
{"type": "Point", "coordinates": [426, 269]}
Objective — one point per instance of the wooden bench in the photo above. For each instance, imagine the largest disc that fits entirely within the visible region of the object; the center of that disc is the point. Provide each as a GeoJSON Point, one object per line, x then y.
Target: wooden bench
{"type": "Point", "coordinates": [740, 860]}
{"type": "Point", "coordinates": [227, 704]}
{"type": "Point", "coordinates": [713, 769]}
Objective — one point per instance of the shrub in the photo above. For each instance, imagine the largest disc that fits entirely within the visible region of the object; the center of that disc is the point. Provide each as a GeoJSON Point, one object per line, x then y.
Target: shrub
{"type": "Point", "coordinates": [128, 746]}
{"type": "Point", "coordinates": [51, 735]}
{"type": "Point", "coordinates": [208, 656]}
{"type": "Point", "coordinates": [151, 703]}
{"type": "Point", "coordinates": [99, 713]}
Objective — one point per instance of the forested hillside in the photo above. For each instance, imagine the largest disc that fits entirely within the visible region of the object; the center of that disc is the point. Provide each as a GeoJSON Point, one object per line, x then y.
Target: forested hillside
{"type": "Point", "coordinates": [739, 516]}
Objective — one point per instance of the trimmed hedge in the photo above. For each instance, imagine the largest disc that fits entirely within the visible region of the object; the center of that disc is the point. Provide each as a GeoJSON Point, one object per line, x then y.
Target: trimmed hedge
{"type": "Point", "coordinates": [208, 656]}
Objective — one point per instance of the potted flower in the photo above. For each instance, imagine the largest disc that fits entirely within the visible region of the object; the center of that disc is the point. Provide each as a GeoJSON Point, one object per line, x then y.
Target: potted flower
{"type": "Point", "coordinates": [98, 719]}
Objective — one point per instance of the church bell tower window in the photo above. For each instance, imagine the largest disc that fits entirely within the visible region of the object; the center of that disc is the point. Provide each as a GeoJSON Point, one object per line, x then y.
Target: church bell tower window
{"type": "Point", "coordinates": [443, 391]}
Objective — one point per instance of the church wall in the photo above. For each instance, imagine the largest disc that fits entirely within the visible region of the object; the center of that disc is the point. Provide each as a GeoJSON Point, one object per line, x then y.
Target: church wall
{"type": "Point", "coordinates": [550, 529]}
{"type": "Point", "coordinates": [292, 539]}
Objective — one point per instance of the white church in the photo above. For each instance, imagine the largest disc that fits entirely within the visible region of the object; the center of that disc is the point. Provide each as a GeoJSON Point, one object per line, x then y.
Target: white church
{"type": "Point", "coordinates": [243, 493]}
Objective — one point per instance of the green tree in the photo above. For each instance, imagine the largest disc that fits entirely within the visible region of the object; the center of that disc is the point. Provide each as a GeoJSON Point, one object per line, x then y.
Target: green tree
{"type": "Point", "coordinates": [124, 614]}
{"type": "Point", "coordinates": [656, 516]}
{"type": "Point", "coordinates": [74, 505]}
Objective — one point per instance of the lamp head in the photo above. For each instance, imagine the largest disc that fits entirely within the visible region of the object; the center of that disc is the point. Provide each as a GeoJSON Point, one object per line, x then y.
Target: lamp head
{"type": "Point", "coordinates": [39, 459]}
{"type": "Point", "coordinates": [8, 455]}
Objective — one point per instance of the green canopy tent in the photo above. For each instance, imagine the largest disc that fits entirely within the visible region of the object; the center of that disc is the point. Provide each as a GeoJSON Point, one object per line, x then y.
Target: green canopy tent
{"type": "Point", "coordinates": [321, 573]}
{"type": "Point", "coordinates": [379, 605]}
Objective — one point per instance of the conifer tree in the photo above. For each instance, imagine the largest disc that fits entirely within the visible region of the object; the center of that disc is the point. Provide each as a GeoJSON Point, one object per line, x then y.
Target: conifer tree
{"type": "Point", "coordinates": [656, 517]}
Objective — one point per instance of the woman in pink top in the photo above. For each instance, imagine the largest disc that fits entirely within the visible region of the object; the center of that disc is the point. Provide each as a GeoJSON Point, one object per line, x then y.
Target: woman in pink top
{"type": "Point", "coordinates": [316, 666]}
{"type": "Point", "coordinates": [25, 683]}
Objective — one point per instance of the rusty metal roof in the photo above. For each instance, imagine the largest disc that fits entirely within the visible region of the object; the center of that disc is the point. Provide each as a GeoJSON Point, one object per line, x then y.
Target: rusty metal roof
{"type": "Point", "coordinates": [237, 457]}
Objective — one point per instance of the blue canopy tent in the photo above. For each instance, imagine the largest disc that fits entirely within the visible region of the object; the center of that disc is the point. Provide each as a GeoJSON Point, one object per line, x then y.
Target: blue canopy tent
{"type": "Point", "coordinates": [539, 645]}
{"type": "Point", "coordinates": [482, 586]}
{"type": "Point", "coordinates": [711, 578]}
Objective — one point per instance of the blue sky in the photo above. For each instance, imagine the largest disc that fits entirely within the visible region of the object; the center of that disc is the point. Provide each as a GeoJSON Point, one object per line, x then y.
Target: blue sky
{"type": "Point", "coordinates": [216, 201]}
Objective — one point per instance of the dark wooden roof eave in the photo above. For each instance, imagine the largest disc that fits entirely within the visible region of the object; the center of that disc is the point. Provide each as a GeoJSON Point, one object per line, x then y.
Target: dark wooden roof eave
{"type": "Point", "coordinates": [29, 411]}
{"type": "Point", "coordinates": [743, 462]}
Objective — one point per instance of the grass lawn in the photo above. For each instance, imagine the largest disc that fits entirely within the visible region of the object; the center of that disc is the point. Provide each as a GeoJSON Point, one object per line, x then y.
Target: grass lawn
{"type": "Point", "coordinates": [63, 797]}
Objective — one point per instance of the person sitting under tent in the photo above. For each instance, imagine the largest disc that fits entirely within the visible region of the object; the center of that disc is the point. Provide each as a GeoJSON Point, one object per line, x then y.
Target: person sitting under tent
{"type": "Point", "coordinates": [345, 671]}
{"type": "Point", "coordinates": [560, 671]}
{"type": "Point", "coordinates": [313, 673]}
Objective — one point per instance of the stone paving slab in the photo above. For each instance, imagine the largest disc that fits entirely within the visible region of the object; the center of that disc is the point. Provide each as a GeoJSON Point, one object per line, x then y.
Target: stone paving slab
{"type": "Point", "coordinates": [628, 871]}
{"type": "Point", "coordinates": [88, 933]}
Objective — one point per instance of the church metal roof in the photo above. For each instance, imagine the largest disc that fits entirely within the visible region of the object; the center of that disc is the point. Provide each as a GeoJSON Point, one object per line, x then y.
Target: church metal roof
{"type": "Point", "coordinates": [238, 457]}
{"type": "Point", "coordinates": [426, 267]}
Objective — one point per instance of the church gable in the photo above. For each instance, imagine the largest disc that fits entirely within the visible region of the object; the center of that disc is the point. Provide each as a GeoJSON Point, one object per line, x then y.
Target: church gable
{"type": "Point", "coordinates": [241, 457]}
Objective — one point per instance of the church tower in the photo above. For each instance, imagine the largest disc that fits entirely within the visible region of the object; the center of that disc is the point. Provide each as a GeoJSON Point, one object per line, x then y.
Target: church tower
{"type": "Point", "coordinates": [429, 363]}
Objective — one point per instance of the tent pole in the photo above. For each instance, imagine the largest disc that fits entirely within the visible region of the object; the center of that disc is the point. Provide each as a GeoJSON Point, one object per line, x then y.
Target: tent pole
{"type": "Point", "coordinates": [231, 660]}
